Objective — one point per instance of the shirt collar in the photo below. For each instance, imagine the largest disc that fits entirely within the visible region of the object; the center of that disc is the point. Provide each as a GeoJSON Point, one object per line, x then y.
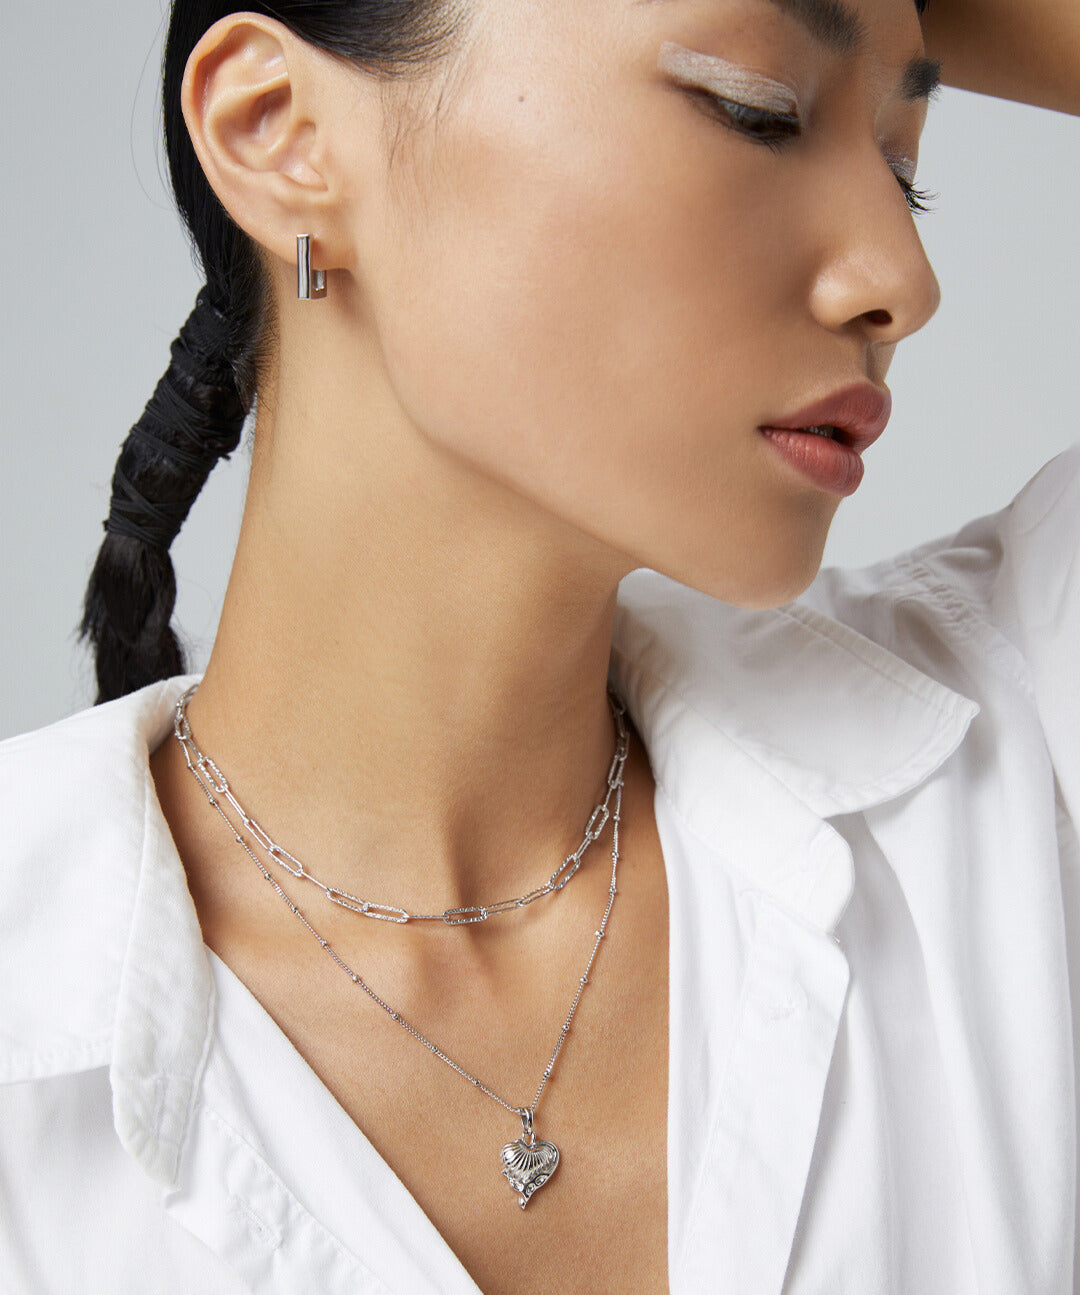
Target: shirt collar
{"type": "Point", "coordinates": [758, 724]}
{"type": "Point", "coordinates": [165, 1000]}
{"type": "Point", "coordinates": [838, 720]}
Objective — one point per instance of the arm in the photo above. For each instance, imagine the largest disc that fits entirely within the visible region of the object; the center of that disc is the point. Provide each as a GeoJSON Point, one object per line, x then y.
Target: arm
{"type": "Point", "coordinates": [1027, 50]}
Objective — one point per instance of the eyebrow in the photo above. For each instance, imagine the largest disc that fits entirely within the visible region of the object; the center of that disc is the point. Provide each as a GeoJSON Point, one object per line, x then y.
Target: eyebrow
{"type": "Point", "coordinates": [833, 24]}
{"type": "Point", "coordinates": [839, 28]}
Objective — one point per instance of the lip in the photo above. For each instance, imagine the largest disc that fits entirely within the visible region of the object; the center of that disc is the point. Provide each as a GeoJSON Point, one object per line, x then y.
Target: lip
{"type": "Point", "coordinates": [860, 410]}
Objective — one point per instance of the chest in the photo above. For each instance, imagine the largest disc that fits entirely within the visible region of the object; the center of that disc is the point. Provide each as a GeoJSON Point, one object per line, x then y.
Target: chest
{"type": "Point", "coordinates": [600, 1221]}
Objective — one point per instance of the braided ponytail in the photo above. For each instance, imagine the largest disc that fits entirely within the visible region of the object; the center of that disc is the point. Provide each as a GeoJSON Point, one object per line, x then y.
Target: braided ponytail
{"type": "Point", "coordinates": [194, 417]}
{"type": "Point", "coordinates": [225, 348]}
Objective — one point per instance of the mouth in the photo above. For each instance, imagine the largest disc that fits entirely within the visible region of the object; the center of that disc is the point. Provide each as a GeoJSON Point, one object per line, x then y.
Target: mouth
{"type": "Point", "coordinates": [833, 433]}
{"type": "Point", "coordinates": [853, 416]}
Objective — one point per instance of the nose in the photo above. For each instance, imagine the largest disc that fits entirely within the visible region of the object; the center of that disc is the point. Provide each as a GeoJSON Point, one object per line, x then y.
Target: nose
{"type": "Point", "coordinates": [873, 273]}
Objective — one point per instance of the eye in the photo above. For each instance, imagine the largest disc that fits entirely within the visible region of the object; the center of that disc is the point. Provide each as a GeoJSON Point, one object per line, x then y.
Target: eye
{"type": "Point", "coordinates": [762, 125]}
{"type": "Point", "coordinates": [916, 198]}
{"type": "Point", "coordinates": [775, 129]}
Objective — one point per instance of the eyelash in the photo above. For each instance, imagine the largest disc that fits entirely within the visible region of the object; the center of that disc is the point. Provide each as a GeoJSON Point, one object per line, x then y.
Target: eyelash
{"type": "Point", "coordinates": [743, 118]}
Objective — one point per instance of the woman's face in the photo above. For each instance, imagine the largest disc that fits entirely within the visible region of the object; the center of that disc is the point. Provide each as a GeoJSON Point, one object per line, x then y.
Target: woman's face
{"type": "Point", "coordinates": [591, 285]}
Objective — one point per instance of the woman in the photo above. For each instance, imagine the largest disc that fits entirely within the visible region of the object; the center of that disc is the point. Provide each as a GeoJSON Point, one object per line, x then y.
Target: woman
{"type": "Point", "coordinates": [540, 304]}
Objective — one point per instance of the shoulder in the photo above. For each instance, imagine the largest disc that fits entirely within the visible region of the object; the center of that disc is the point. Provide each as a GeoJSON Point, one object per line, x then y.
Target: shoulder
{"type": "Point", "coordinates": [74, 800]}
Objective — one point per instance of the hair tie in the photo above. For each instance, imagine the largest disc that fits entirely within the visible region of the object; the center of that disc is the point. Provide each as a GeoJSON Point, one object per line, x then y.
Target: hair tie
{"type": "Point", "coordinates": [154, 522]}
{"type": "Point", "coordinates": [193, 419]}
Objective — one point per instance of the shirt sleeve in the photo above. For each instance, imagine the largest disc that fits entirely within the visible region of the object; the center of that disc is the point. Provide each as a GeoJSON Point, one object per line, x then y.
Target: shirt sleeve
{"type": "Point", "coordinates": [1019, 571]}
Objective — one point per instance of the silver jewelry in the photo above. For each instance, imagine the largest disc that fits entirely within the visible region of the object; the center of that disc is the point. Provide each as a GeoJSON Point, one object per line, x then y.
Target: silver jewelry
{"type": "Point", "coordinates": [527, 1164]}
{"type": "Point", "coordinates": [309, 283]}
{"type": "Point", "coordinates": [390, 912]}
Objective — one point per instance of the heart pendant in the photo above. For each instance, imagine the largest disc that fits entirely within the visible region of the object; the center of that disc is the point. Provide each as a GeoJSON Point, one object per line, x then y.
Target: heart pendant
{"type": "Point", "coordinates": [528, 1165]}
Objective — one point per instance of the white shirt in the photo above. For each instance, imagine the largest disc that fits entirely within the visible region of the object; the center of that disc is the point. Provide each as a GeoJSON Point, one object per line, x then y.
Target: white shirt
{"type": "Point", "coordinates": [867, 804]}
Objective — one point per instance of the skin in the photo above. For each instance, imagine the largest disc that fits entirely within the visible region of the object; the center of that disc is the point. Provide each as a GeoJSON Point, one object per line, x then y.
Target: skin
{"type": "Point", "coordinates": [551, 330]}
{"type": "Point", "coordinates": [561, 299]}
{"type": "Point", "coordinates": [1026, 52]}
{"type": "Point", "coordinates": [557, 311]}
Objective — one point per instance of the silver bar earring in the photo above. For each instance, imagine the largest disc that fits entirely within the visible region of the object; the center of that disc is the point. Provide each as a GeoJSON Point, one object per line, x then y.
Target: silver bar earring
{"type": "Point", "coordinates": [309, 283]}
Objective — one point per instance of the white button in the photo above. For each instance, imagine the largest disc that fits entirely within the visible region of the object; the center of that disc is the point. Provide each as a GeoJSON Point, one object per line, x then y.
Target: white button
{"type": "Point", "coordinates": [789, 1000]}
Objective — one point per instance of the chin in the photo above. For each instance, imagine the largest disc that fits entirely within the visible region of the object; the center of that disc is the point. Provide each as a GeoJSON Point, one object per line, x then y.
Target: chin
{"type": "Point", "coordinates": [765, 585]}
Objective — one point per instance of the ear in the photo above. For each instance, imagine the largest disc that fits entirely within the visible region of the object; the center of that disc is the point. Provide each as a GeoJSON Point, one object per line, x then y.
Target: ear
{"type": "Point", "coordinates": [249, 98]}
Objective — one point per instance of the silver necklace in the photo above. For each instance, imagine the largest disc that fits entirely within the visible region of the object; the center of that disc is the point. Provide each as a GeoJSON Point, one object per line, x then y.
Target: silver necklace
{"type": "Point", "coordinates": [390, 912]}
{"type": "Point", "coordinates": [526, 1163]}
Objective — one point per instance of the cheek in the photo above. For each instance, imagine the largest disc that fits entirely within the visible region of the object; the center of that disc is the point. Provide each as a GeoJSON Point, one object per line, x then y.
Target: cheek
{"type": "Point", "coordinates": [552, 301]}
{"type": "Point", "coordinates": [596, 326]}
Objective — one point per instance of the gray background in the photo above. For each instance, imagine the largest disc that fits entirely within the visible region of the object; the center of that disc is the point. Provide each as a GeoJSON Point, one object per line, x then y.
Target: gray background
{"type": "Point", "coordinates": [98, 279]}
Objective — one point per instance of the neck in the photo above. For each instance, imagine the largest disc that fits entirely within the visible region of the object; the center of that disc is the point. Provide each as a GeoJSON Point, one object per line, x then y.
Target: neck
{"type": "Point", "coordinates": [407, 690]}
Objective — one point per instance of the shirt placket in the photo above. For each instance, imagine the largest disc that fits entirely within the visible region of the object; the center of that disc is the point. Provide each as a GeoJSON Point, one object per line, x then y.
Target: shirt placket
{"type": "Point", "coordinates": [757, 1155]}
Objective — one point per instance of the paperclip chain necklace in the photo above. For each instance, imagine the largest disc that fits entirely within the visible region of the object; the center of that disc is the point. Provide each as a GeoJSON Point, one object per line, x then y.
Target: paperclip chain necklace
{"type": "Point", "coordinates": [390, 912]}
{"type": "Point", "coordinates": [526, 1164]}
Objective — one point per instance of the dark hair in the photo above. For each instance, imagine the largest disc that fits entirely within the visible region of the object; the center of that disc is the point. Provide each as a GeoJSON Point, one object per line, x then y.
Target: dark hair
{"type": "Point", "coordinates": [198, 409]}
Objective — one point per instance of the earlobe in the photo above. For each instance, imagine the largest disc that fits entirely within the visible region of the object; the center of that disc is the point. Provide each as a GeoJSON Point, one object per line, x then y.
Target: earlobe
{"type": "Point", "coordinates": [250, 128]}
